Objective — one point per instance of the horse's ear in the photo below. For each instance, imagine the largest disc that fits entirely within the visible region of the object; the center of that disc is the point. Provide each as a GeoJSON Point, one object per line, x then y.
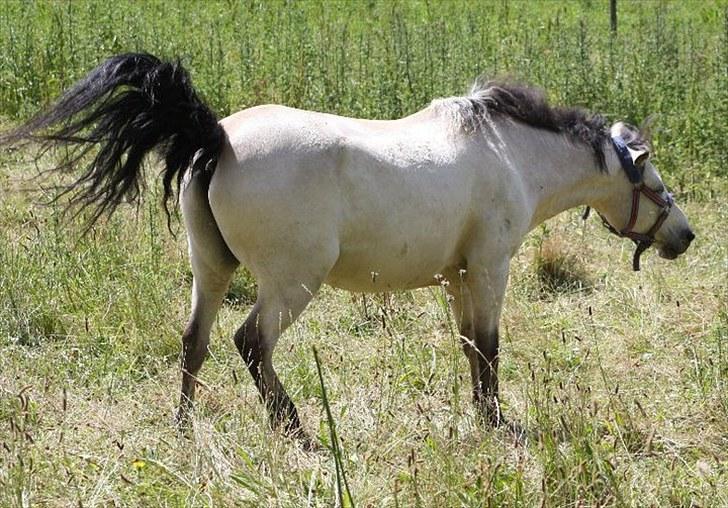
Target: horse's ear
{"type": "Point", "coordinates": [636, 144]}
{"type": "Point", "coordinates": [639, 155]}
{"type": "Point", "coordinates": [646, 128]}
{"type": "Point", "coordinates": [620, 129]}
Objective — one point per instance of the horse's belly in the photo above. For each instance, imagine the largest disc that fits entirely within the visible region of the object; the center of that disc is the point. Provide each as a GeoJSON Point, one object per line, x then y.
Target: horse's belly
{"type": "Point", "coordinates": [380, 268]}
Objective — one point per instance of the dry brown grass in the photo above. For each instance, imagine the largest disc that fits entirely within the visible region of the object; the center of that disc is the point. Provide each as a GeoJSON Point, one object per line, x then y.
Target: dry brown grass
{"type": "Point", "coordinates": [622, 385]}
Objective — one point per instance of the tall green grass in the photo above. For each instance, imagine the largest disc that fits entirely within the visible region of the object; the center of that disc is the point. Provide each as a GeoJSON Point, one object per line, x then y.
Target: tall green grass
{"type": "Point", "coordinates": [387, 59]}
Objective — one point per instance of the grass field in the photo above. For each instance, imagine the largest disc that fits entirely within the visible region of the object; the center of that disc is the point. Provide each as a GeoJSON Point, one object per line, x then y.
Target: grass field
{"type": "Point", "coordinates": [622, 377]}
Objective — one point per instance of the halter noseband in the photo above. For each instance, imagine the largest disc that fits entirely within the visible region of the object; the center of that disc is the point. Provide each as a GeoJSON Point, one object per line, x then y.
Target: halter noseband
{"type": "Point", "coordinates": [643, 240]}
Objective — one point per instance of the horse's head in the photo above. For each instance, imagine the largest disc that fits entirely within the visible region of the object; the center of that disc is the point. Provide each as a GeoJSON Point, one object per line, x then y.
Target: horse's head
{"type": "Point", "coordinates": [639, 206]}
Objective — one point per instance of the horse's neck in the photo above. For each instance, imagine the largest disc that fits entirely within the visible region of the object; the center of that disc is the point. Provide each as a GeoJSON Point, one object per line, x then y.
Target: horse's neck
{"type": "Point", "coordinates": [557, 174]}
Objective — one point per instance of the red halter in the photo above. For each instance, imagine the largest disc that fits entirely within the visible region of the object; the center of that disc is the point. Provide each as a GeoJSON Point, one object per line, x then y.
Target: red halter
{"type": "Point", "coordinates": [643, 240]}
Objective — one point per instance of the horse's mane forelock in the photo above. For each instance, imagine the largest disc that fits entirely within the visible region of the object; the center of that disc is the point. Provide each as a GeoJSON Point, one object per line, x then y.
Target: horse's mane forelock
{"type": "Point", "coordinates": [529, 105]}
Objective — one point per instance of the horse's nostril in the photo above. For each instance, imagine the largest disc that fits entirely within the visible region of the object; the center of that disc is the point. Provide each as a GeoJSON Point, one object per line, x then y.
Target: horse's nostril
{"type": "Point", "coordinates": [689, 236]}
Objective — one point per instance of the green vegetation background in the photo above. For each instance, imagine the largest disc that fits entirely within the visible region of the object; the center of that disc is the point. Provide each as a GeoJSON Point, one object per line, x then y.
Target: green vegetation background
{"type": "Point", "coordinates": [387, 59]}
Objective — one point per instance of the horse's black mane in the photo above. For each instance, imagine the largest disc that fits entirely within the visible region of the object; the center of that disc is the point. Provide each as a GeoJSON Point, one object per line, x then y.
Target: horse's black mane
{"type": "Point", "coordinates": [529, 105]}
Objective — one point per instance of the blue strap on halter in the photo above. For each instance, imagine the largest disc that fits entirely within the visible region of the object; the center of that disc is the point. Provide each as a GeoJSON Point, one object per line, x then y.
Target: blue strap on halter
{"type": "Point", "coordinates": [633, 174]}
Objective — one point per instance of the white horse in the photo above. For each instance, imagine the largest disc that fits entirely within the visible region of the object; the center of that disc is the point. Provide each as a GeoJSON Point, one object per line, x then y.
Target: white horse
{"type": "Point", "coordinates": [304, 198]}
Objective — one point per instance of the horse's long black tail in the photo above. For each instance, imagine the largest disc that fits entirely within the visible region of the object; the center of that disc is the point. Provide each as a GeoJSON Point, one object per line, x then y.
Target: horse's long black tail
{"type": "Point", "coordinates": [125, 107]}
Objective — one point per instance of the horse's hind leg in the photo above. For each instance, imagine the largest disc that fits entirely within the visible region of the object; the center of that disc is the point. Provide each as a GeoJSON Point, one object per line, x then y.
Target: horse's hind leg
{"type": "Point", "coordinates": [208, 289]}
{"type": "Point", "coordinates": [278, 305]}
{"type": "Point", "coordinates": [212, 268]}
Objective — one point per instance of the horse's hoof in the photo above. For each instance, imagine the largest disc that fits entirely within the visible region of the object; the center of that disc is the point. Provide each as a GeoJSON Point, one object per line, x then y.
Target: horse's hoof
{"type": "Point", "coordinates": [183, 422]}
{"type": "Point", "coordinates": [493, 418]}
{"type": "Point", "coordinates": [517, 431]}
{"type": "Point", "coordinates": [309, 444]}
{"type": "Point", "coordinates": [299, 435]}
{"type": "Point", "coordinates": [490, 417]}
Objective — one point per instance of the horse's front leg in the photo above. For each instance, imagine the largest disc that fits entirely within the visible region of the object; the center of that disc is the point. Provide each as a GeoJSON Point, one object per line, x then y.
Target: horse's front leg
{"type": "Point", "coordinates": [487, 285]}
{"type": "Point", "coordinates": [462, 308]}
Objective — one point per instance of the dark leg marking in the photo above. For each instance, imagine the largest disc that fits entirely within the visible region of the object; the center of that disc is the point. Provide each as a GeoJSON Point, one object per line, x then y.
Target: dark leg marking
{"type": "Point", "coordinates": [194, 350]}
{"type": "Point", "coordinates": [281, 410]}
{"type": "Point", "coordinates": [486, 393]}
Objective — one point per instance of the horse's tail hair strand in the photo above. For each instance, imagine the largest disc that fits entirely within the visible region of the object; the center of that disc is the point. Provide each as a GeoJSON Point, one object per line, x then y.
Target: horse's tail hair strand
{"type": "Point", "coordinates": [127, 106]}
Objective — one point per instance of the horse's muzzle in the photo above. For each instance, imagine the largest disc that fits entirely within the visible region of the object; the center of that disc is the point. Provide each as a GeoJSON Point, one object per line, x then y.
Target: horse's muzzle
{"type": "Point", "coordinates": [673, 250]}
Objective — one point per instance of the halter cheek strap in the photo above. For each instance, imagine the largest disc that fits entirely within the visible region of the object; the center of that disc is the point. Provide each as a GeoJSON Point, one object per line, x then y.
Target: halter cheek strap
{"type": "Point", "coordinates": [643, 240]}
